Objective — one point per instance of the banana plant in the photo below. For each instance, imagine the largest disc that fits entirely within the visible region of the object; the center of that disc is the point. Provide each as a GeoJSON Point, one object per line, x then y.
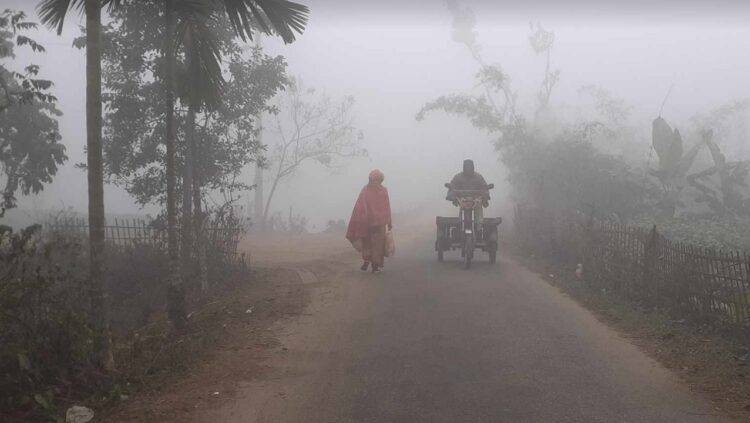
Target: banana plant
{"type": "Point", "coordinates": [674, 164]}
{"type": "Point", "coordinates": [722, 186]}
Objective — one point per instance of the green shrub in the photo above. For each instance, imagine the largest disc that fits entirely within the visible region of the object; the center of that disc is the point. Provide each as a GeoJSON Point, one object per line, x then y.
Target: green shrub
{"type": "Point", "coordinates": [44, 333]}
{"type": "Point", "coordinates": [45, 337]}
{"type": "Point", "coordinates": [570, 176]}
{"type": "Point", "coordinates": [136, 284]}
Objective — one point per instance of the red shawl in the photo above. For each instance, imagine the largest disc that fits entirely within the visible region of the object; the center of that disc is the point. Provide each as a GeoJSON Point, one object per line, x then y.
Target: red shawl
{"type": "Point", "coordinates": [373, 208]}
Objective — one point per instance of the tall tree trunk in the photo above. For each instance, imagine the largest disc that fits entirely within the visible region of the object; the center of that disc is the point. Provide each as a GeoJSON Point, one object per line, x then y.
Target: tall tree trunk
{"type": "Point", "coordinates": [199, 219]}
{"type": "Point", "coordinates": [188, 175]}
{"type": "Point", "coordinates": [94, 161]}
{"type": "Point", "coordinates": [259, 214]}
{"type": "Point", "coordinates": [259, 218]}
{"type": "Point", "coordinates": [175, 290]}
{"type": "Point", "coordinates": [270, 197]}
{"type": "Point", "coordinates": [194, 154]}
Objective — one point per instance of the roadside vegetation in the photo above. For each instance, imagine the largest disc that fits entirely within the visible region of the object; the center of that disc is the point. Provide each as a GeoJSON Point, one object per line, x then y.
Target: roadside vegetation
{"type": "Point", "coordinates": [174, 95]}
{"type": "Point", "coordinates": [639, 220]}
{"type": "Point", "coordinates": [606, 163]}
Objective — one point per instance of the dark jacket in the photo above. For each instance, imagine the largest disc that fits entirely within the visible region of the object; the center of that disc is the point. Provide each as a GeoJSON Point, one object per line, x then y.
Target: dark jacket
{"type": "Point", "coordinates": [462, 181]}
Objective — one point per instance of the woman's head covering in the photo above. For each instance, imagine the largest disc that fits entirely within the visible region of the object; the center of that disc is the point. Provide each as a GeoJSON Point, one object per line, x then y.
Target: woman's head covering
{"type": "Point", "coordinates": [376, 176]}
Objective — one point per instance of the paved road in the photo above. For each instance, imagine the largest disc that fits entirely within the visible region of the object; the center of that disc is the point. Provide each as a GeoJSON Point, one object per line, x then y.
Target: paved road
{"type": "Point", "coordinates": [429, 342]}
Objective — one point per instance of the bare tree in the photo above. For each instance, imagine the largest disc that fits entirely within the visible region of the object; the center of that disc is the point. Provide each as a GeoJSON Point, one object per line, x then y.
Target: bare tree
{"type": "Point", "coordinates": [542, 42]}
{"type": "Point", "coordinates": [311, 127]}
{"type": "Point", "coordinates": [495, 110]}
{"type": "Point", "coordinates": [491, 77]}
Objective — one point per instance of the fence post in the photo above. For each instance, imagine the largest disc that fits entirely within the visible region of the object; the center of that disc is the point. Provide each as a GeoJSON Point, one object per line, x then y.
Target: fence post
{"type": "Point", "coordinates": [650, 255]}
{"type": "Point", "coordinates": [589, 275]}
{"type": "Point", "coordinates": [588, 249]}
{"type": "Point", "coordinates": [517, 230]}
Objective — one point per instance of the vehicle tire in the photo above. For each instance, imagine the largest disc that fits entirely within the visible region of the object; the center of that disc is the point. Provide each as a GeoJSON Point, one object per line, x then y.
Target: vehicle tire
{"type": "Point", "coordinates": [468, 252]}
{"type": "Point", "coordinates": [493, 256]}
{"type": "Point", "coordinates": [440, 256]}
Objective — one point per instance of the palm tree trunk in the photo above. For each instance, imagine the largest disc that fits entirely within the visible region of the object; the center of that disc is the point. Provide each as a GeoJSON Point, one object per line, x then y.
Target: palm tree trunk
{"type": "Point", "coordinates": [175, 290]}
{"type": "Point", "coordinates": [258, 213]}
{"type": "Point", "coordinates": [199, 220]}
{"type": "Point", "coordinates": [194, 153]}
{"type": "Point", "coordinates": [98, 316]}
{"type": "Point", "coordinates": [186, 227]}
{"type": "Point", "coordinates": [259, 209]}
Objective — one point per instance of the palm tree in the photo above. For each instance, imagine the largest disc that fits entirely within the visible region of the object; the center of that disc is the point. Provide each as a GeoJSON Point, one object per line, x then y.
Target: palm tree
{"type": "Point", "coordinates": [280, 17]}
{"type": "Point", "coordinates": [205, 82]}
{"type": "Point", "coordinates": [202, 88]}
{"type": "Point", "coordinates": [52, 13]}
{"type": "Point", "coordinates": [175, 290]}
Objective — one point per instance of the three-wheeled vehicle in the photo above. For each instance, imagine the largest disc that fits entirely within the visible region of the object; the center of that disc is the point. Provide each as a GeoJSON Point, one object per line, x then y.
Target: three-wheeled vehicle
{"type": "Point", "coordinates": [464, 232]}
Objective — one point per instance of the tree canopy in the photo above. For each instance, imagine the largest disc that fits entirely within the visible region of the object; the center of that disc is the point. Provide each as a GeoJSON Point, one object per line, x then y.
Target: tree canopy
{"type": "Point", "coordinates": [134, 117]}
{"type": "Point", "coordinates": [30, 152]}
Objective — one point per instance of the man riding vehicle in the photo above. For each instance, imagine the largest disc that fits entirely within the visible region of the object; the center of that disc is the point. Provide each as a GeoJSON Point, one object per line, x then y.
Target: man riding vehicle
{"type": "Point", "coordinates": [470, 180]}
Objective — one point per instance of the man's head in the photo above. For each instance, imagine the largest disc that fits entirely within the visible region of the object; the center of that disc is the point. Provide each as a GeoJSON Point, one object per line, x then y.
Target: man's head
{"type": "Point", "coordinates": [468, 167]}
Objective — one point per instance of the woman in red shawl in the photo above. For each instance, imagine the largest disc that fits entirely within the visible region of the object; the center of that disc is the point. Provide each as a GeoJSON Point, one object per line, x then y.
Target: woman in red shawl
{"type": "Point", "coordinates": [370, 217]}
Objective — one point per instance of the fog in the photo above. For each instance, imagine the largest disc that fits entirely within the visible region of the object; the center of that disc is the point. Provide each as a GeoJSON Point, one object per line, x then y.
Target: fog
{"type": "Point", "coordinates": [616, 134]}
{"type": "Point", "coordinates": [394, 58]}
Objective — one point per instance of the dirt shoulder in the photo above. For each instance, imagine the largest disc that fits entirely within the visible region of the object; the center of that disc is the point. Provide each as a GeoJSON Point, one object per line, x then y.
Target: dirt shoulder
{"type": "Point", "coordinates": [283, 250]}
{"type": "Point", "coordinates": [713, 361]}
{"type": "Point", "coordinates": [233, 334]}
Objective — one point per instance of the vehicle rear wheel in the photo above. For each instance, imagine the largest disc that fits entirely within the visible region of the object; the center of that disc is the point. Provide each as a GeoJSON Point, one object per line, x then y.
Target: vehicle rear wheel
{"type": "Point", "coordinates": [493, 256]}
{"type": "Point", "coordinates": [440, 256]}
{"type": "Point", "coordinates": [468, 251]}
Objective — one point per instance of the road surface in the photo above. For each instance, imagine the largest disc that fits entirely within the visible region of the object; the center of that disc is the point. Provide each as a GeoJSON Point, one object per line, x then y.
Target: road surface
{"type": "Point", "coordinates": [430, 342]}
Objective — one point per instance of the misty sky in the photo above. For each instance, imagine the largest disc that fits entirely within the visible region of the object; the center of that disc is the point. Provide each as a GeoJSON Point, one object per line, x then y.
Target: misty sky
{"type": "Point", "coordinates": [397, 55]}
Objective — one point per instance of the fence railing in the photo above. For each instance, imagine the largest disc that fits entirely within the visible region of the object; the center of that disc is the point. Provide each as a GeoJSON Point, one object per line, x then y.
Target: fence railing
{"type": "Point", "coordinates": [221, 239]}
{"type": "Point", "coordinates": [644, 266]}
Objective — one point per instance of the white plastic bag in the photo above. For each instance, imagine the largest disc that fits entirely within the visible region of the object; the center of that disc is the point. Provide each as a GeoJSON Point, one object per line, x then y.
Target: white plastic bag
{"type": "Point", "coordinates": [390, 244]}
{"type": "Point", "coordinates": [79, 414]}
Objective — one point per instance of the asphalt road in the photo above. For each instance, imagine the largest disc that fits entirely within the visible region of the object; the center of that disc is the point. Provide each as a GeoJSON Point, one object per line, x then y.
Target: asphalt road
{"type": "Point", "coordinates": [430, 342]}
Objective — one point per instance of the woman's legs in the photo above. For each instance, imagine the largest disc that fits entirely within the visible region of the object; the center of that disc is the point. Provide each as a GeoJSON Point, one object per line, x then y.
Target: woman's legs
{"type": "Point", "coordinates": [377, 247]}
{"type": "Point", "coordinates": [366, 252]}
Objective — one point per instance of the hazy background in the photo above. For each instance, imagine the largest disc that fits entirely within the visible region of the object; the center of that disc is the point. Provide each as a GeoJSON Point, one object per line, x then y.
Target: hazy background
{"type": "Point", "coordinates": [397, 55]}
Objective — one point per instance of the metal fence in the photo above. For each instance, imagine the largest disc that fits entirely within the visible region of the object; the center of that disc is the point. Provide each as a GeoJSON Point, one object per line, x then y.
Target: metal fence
{"type": "Point", "coordinates": [644, 266]}
{"type": "Point", "coordinates": [221, 239]}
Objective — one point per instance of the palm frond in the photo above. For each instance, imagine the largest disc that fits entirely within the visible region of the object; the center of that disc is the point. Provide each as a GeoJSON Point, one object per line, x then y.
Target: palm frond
{"type": "Point", "coordinates": [112, 4]}
{"type": "Point", "coordinates": [52, 12]}
{"type": "Point", "coordinates": [281, 17]}
{"type": "Point", "coordinates": [204, 82]}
